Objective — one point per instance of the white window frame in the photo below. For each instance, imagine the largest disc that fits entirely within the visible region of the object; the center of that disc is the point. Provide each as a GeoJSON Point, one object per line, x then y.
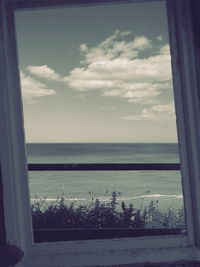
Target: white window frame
{"type": "Point", "coordinates": [14, 168]}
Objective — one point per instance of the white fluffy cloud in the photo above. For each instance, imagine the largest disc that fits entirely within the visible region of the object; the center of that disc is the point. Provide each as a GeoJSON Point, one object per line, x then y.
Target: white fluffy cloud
{"type": "Point", "coordinates": [112, 48]}
{"type": "Point", "coordinates": [119, 67]}
{"type": "Point", "coordinates": [156, 112]}
{"type": "Point", "coordinates": [44, 72]}
{"type": "Point", "coordinates": [32, 89]}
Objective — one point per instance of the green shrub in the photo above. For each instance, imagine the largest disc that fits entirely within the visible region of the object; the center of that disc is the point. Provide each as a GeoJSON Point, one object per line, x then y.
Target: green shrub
{"type": "Point", "coordinates": [57, 214]}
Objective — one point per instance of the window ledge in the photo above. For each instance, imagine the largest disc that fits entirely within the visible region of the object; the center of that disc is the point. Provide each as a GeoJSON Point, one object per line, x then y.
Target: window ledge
{"type": "Point", "coordinates": [112, 252]}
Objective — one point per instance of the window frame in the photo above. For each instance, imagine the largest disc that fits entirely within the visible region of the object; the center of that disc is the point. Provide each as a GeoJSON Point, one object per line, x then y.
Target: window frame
{"type": "Point", "coordinates": [14, 168]}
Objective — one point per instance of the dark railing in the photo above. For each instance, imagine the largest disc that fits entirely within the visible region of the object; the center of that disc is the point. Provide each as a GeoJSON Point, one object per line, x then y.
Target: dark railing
{"type": "Point", "coordinates": [53, 235]}
{"type": "Point", "coordinates": [104, 167]}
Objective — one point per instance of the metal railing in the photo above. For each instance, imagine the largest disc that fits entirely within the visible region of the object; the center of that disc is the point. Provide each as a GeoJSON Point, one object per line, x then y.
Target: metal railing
{"type": "Point", "coordinates": [104, 167]}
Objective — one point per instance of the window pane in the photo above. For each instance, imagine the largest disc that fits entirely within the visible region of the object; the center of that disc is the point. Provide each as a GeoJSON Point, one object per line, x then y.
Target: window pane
{"type": "Point", "coordinates": [97, 89]}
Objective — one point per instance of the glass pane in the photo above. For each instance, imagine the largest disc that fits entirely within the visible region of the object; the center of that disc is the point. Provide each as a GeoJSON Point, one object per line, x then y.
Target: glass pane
{"type": "Point", "coordinates": [97, 89]}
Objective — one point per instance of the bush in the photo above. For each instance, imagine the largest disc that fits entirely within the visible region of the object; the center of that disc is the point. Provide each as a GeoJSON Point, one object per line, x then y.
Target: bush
{"type": "Point", "coordinates": [57, 214]}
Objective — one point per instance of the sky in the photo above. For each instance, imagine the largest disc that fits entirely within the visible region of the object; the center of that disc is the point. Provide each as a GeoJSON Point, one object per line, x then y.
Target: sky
{"type": "Point", "coordinates": [96, 74]}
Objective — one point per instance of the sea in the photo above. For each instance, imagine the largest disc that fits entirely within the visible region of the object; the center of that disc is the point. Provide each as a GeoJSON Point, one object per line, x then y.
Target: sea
{"type": "Point", "coordinates": [84, 187]}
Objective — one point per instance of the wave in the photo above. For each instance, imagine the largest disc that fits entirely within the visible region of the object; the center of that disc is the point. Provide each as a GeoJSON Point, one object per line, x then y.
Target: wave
{"type": "Point", "coordinates": [107, 199]}
{"type": "Point", "coordinates": [158, 196]}
{"type": "Point", "coordinates": [57, 199]}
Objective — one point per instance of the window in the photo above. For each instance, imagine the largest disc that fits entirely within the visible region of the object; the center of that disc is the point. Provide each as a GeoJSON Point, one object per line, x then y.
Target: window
{"type": "Point", "coordinates": [113, 251]}
{"type": "Point", "coordinates": [128, 72]}
{"type": "Point", "coordinates": [100, 124]}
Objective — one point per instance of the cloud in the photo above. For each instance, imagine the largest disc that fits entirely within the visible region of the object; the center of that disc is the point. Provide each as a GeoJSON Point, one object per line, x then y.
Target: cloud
{"type": "Point", "coordinates": [32, 89]}
{"type": "Point", "coordinates": [122, 68]}
{"type": "Point", "coordinates": [160, 38]}
{"type": "Point", "coordinates": [44, 71]}
{"type": "Point", "coordinates": [112, 48]}
{"type": "Point", "coordinates": [132, 68]}
{"type": "Point", "coordinates": [164, 50]}
{"type": "Point", "coordinates": [164, 112]}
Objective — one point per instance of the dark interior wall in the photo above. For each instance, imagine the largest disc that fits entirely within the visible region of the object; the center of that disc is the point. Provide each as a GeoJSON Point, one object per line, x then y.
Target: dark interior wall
{"type": "Point", "coordinates": [195, 9]}
{"type": "Point", "coordinates": [195, 12]}
{"type": "Point", "coordinates": [2, 222]}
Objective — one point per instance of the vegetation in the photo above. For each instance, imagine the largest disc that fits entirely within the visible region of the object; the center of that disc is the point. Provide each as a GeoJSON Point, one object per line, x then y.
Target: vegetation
{"type": "Point", "coordinates": [57, 214]}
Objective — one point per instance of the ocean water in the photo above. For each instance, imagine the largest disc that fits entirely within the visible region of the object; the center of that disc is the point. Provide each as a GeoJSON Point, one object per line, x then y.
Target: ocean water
{"type": "Point", "coordinates": [137, 187]}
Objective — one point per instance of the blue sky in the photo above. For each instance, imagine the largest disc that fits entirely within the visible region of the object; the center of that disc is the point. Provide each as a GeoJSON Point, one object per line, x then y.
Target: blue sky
{"type": "Point", "coordinates": [96, 74]}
